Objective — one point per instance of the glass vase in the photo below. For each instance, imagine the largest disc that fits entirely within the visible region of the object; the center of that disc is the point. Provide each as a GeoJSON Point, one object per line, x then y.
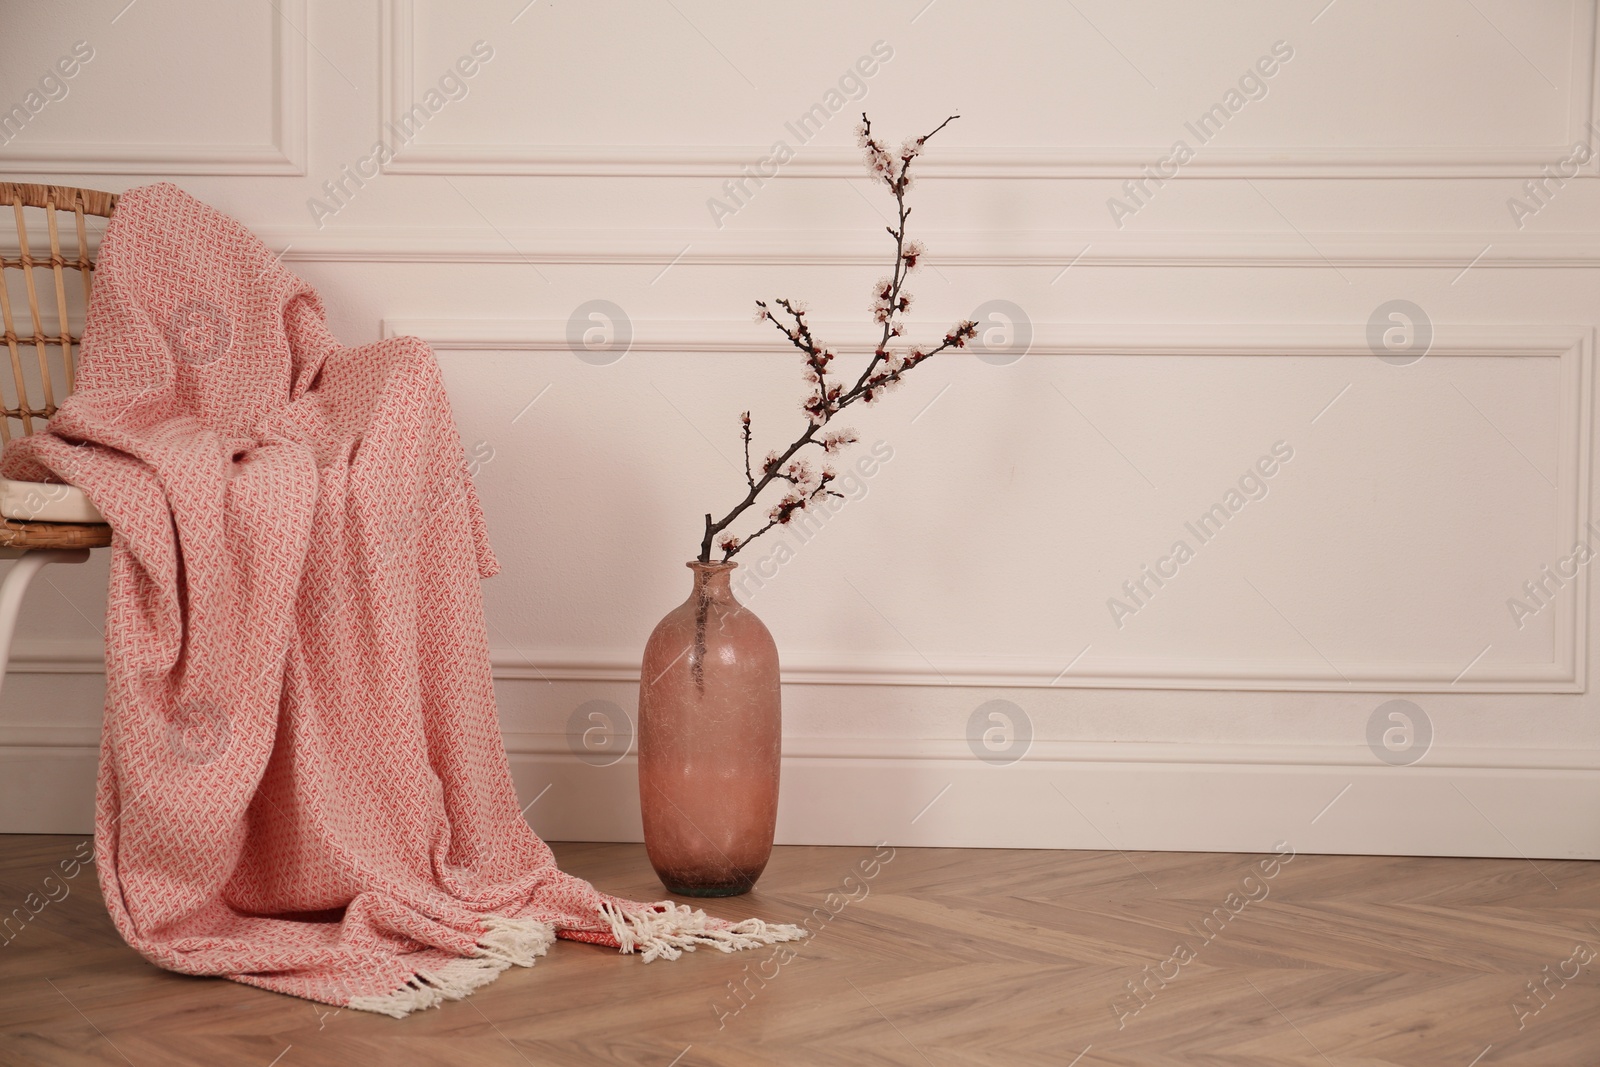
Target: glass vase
{"type": "Point", "coordinates": [710, 741]}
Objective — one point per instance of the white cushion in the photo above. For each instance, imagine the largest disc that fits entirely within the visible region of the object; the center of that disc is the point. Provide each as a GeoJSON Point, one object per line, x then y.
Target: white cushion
{"type": "Point", "coordinates": [46, 502]}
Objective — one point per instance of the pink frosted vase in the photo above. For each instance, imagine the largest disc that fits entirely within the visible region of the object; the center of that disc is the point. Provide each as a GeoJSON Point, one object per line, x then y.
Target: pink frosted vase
{"type": "Point", "coordinates": [710, 739]}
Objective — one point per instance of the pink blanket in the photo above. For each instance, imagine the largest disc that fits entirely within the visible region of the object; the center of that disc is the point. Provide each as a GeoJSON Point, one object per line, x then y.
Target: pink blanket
{"type": "Point", "coordinates": [302, 785]}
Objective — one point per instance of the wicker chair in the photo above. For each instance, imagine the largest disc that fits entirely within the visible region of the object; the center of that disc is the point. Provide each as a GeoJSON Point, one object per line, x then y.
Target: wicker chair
{"type": "Point", "coordinates": [42, 523]}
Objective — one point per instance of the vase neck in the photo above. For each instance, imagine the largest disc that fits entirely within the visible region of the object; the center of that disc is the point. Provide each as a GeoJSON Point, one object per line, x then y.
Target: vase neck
{"type": "Point", "coordinates": [712, 581]}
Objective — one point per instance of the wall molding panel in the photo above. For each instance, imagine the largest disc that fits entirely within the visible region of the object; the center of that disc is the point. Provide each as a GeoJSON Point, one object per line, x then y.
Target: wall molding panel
{"type": "Point", "coordinates": [285, 153]}
{"type": "Point", "coordinates": [1572, 346]}
{"type": "Point", "coordinates": [997, 162]}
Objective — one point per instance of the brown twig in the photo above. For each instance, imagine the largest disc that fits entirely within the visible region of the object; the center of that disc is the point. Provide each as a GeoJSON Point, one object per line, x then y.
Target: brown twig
{"type": "Point", "coordinates": [826, 399]}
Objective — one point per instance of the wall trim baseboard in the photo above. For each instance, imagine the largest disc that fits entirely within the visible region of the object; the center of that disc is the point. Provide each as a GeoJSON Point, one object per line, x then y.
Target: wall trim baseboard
{"type": "Point", "coordinates": [1545, 807]}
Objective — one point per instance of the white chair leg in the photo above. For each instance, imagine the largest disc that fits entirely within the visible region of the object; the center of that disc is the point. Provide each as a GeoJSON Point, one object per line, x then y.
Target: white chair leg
{"type": "Point", "coordinates": [15, 587]}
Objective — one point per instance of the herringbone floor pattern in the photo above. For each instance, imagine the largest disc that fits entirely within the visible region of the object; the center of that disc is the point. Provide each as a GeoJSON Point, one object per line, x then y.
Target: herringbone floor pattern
{"type": "Point", "coordinates": [934, 957]}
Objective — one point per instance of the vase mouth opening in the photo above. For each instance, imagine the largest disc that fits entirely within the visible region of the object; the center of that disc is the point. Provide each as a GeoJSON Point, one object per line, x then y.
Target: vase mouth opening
{"type": "Point", "coordinates": [716, 566]}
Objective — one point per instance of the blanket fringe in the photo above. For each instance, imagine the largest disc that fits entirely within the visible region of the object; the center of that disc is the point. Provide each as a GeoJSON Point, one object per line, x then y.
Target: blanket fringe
{"type": "Point", "coordinates": [667, 930]}
{"type": "Point", "coordinates": [503, 943]}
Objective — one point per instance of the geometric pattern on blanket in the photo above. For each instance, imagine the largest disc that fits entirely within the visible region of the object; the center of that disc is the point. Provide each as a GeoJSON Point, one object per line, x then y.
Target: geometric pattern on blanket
{"type": "Point", "coordinates": [302, 781]}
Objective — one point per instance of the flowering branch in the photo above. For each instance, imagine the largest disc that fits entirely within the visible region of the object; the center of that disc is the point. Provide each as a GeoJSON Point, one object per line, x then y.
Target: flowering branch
{"type": "Point", "coordinates": [744, 420]}
{"type": "Point", "coordinates": [803, 483]}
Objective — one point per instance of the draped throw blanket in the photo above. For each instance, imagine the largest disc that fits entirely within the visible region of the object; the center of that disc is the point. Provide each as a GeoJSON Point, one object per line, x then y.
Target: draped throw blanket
{"type": "Point", "coordinates": [302, 781]}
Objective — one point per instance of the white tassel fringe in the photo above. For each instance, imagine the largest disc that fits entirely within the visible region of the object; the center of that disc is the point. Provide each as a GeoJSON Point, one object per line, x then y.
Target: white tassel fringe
{"type": "Point", "coordinates": [675, 929]}
{"type": "Point", "coordinates": [504, 943]}
{"type": "Point", "coordinates": [662, 931]}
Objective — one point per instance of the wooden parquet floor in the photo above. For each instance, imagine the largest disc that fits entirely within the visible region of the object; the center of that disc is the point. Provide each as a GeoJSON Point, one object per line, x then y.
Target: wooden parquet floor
{"type": "Point", "coordinates": [941, 957]}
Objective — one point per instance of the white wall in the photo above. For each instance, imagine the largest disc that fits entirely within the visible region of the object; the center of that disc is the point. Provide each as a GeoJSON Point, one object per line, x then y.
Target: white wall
{"type": "Point", "coordinates": [1174, 341]}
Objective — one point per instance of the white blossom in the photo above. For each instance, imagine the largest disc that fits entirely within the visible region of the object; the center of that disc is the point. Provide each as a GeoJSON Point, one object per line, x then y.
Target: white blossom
{"type": "Point", "coordinates": [784, 510]}
{"type": "Point", "coordinates": [834, 440]}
